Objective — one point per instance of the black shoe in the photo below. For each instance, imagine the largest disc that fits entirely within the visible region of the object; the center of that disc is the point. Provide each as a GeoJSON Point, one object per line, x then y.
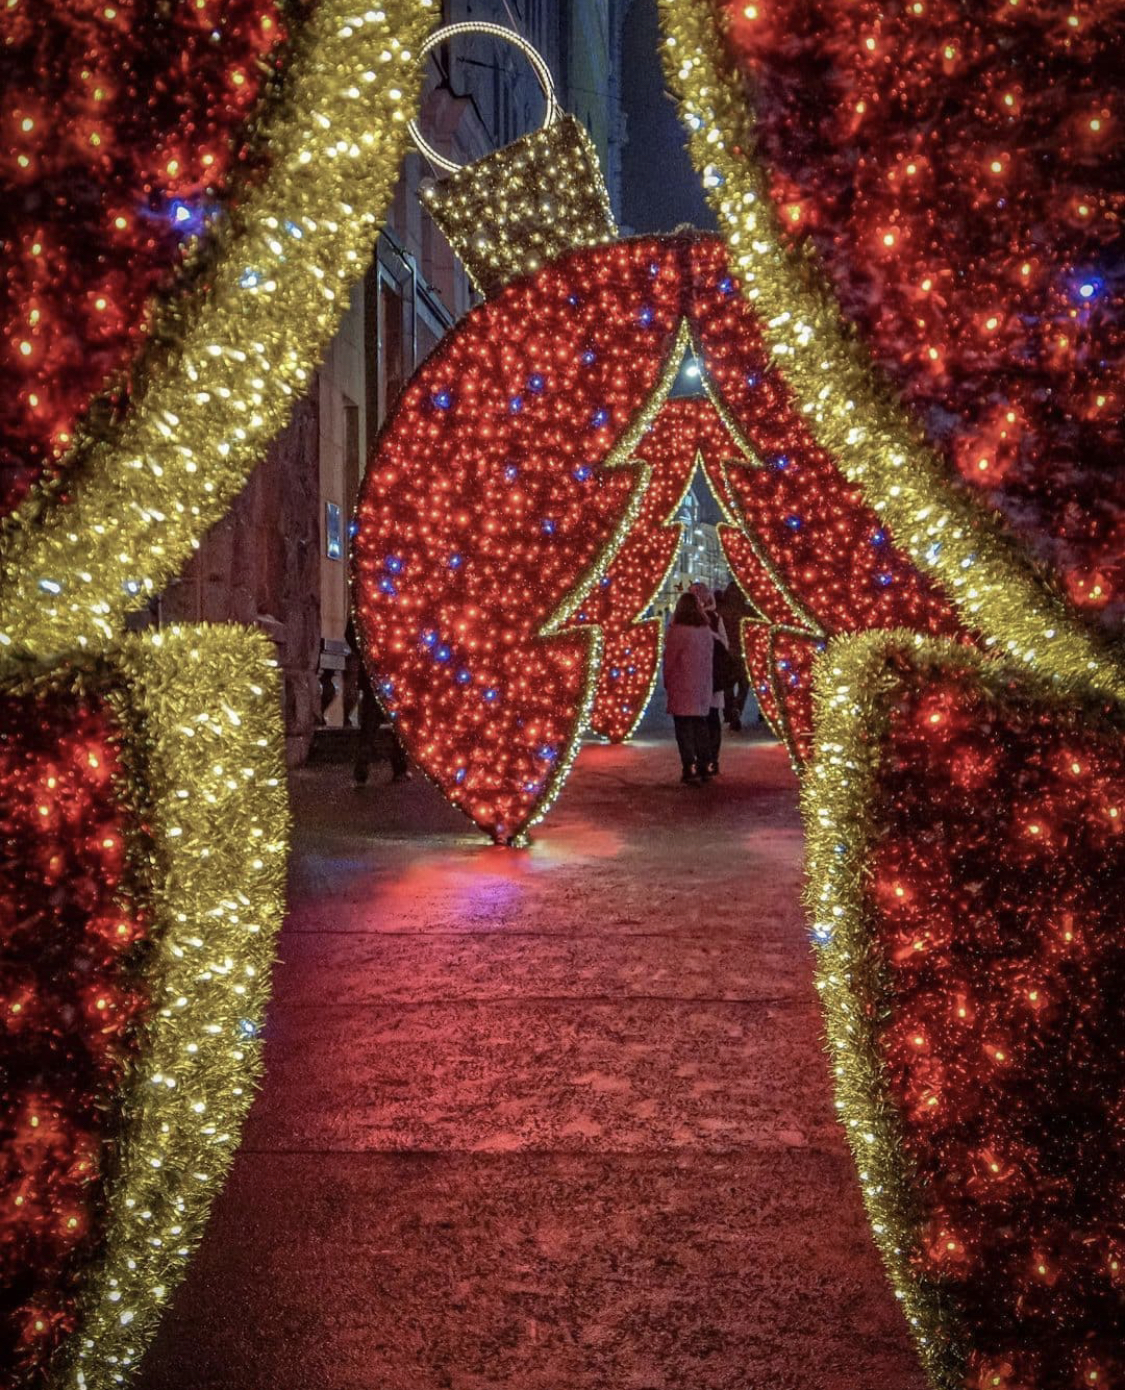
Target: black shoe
{"type": "Point", "coordinates": [705, 777]}
{"type": "Point", "coordinates": [689, 777]}
{"type": "Point", "coordinates": [713, 769]}
{"type": "Point", "coordinates": [404, 775]}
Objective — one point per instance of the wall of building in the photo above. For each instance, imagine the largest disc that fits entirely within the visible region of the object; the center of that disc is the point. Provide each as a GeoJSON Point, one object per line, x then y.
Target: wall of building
{"type": "Point", "coordinates": [280, 557]}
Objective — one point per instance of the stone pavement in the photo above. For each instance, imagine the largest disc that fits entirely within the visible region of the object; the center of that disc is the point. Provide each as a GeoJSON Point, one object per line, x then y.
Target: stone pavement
{"type": "Point", "coordinates": [554, 1119]}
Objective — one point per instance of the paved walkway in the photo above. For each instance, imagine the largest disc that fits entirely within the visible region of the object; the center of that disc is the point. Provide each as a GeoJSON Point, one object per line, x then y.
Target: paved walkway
{"type": "Point", "coordinates": [546, 1120]}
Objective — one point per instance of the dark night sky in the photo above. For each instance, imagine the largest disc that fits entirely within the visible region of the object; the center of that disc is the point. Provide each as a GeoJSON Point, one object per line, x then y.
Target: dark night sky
{"type": "Point", "coordinates": [660, 188]}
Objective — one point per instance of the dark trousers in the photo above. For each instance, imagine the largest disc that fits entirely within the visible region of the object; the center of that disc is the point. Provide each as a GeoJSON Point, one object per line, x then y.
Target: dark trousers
{"type": "Point", "coordinates": [714, 736]}
{"type": "Point", "coordinates": [734, 699]}
{"type": "Point", "coordinates": [693, 741]}
{"type": "Point", "coordinates": [370, 718]}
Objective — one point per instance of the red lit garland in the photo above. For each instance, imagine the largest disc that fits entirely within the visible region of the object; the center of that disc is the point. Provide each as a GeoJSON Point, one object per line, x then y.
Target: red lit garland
{"type": "Point", "coordinates": [960, 169]}
{"type": "Point", "coordinates": [493, 510]}
{"type": "Point", "coordinates": [72, 934]}
{"type": "Point", "coordinates": [978, 970]}
{"type": "Point", "coordinates": [122, 131]}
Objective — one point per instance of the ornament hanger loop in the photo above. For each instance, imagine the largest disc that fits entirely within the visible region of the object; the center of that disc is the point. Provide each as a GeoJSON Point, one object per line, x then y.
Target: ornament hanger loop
{"type": "Point", "coordinates": [495, 31]}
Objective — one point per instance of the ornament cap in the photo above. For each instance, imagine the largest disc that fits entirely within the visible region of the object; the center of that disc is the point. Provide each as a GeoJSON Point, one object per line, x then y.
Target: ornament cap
{"type": "Point", "coordinates": [544, 194]}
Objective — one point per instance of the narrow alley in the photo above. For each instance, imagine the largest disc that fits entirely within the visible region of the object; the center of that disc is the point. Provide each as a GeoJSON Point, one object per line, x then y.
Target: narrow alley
{"type": "Point", "coordinates": [555, 1119]}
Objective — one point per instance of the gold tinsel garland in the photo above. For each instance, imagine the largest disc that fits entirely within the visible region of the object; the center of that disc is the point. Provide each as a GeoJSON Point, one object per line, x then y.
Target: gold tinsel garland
{"type": "Point", "coordinates": [203, 762]}
{"type": "Point", "coordinates": [853, 415]}
{"type": "Point", "coordinates": [71, 571]}
{"type": "Point", "coordinates": [851, 688]}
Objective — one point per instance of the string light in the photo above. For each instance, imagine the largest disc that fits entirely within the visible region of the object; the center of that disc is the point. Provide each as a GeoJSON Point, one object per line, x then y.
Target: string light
{"type": "Point", "coordinates": [222, 378]}
{"type": "Point", "coordinates": [143, 799]}
{"type": "Point", "coordinates": [961, 838]}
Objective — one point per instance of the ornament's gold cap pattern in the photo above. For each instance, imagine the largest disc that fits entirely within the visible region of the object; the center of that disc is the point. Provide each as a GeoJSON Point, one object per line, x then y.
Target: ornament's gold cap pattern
{"type": "Point", "coordinates": [514, 210]}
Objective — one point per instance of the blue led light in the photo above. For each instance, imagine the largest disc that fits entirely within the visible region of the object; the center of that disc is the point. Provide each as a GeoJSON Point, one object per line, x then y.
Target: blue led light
{"type": "Point", "coordinates": [886, 578]}
{"type": "Point", "coordinates": [442, 399]}
{"type": "Point", "coordinates": [455, 562]}
{"type": "Point", "coordinates": [459, 775]}
{"type": "Point", "coordinates": [582, 472]}
{"type": "Point", "coordinates": [878, 537]}
{"type": "Point", "coordinates": [515, 405]}
{"type": "Point", "coordinates": [535, 383]}
{"type": "Point", "coordinates": [645, 316]}
{"type": "Point", "coordinates": [605, 581]}
{"type": "Point", "coordinates": [599, 418]}
{"type": "Point", "coordinates": [726, 286]}
{"type": "Point", "coordinates": [1090, 287]}
{"type": "Point", "coordinates": [491, 694]}
{"type": "Point", "coordinates": [442, 653]}
{"type": "Point", "coordinates": [511, 473]}
{"type": "Point", "coordinates": [752, 380]}
{"type": "Point", "coordinates": [387, 586]}
{"type": "Point", "coordinates": [464, 677]}
{"type": "Point", "coordinates": [589, 357]}
{"type": "Point", "coordinates": [249, 278]}
{"type": "Point", "coordinates": [573, 301]}
{"type": "Point", "coordinates": [781, 462]}
{"type": "Point", "coordinates": [547, 526]}
{"type": "Point", "coordinates": [548, 754]}
{"type": "Point", "coordinates": [294, 230]}
{"type": "Point", "coordinates": [614, 672]}
{"type": "Point", "coordinates": [393, 563]}
{"type": "Point", "coordinates": [429, 637]}
{"type": "Point", "coordinates": [793, 522]}
{"type": "Point", "coordinates": [653, 268]}
{"type": "Point", "coordinates": [186, 218]}
{"type": "Point", "coordinates": [247, 1028]}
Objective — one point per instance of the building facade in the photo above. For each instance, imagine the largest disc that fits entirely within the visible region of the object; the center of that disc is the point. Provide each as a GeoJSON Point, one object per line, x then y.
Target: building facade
{"type": "Point", "coordinates": [280, 557]}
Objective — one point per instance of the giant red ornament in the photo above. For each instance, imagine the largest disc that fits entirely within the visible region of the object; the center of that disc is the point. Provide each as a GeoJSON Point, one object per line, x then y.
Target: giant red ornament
{"type": "Point", "coordinates": [501, 493]}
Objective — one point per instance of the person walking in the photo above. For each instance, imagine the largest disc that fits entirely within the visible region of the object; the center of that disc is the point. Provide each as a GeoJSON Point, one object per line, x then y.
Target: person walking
{"type": "Point", "coordinates": [371, 716]}
{"type": "Point", "coordinates": [733, 606]}
{"type": "Point", "coordinates": [720, 674]}
{"type": "Point", "coordinates": [687, 682]}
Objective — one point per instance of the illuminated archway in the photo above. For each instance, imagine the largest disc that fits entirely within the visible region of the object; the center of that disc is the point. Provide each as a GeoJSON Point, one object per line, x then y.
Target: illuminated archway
{"type": "Point", "coordinates": [513, 522]}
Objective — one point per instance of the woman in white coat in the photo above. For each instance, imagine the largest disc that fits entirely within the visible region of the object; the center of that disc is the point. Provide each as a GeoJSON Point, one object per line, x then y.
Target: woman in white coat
{"type": "Point", "coordinates": [687, 681]}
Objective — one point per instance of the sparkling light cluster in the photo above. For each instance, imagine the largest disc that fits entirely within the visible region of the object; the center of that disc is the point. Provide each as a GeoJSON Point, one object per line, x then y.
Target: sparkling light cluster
{"type": "Point", "coordinates": [965, 841]}
{"type": "Point", "coordinates": [153, 864]}
{"type": "Point", "coordinates": [498, 540]}
{"type": "Point", "coordinates": [106, 189]}
{"type": "Point", "coordinates": [960, 172]}
{"type": "Point", "coordinates": [501, 219]}
{"type": "Point", "coordinates": [73, 565]}
{"type": "Point", "coordinates": [872, 437]}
